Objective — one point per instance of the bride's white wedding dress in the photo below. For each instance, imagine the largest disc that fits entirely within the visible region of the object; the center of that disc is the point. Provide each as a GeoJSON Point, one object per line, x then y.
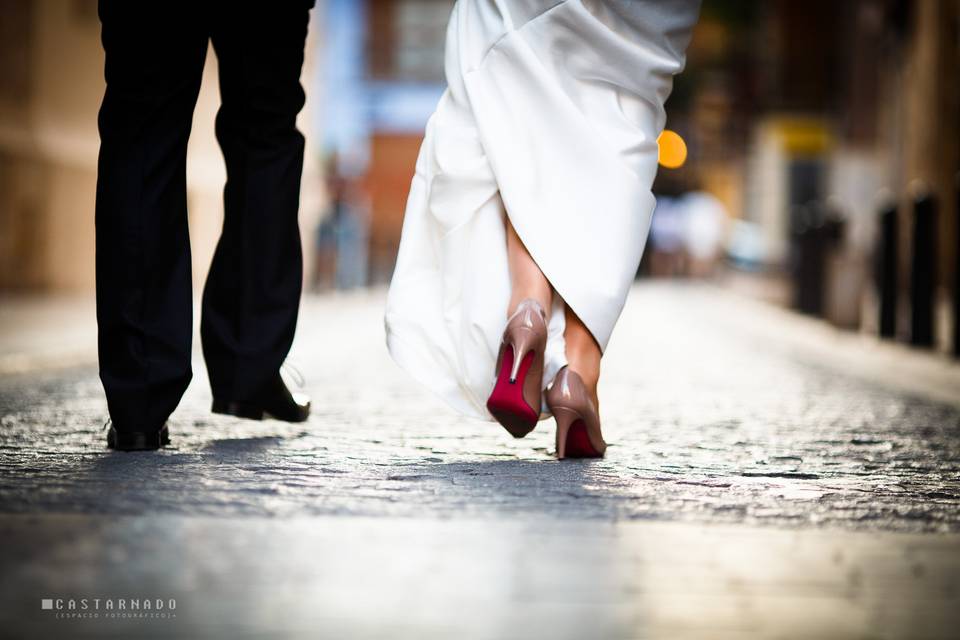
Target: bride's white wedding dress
{"type": "Point", "coordinates": [551, 117]}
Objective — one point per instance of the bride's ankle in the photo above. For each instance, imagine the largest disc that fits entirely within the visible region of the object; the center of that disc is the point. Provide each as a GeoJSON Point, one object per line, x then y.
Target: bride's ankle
{"type": "Point", "coordinates": [539, 297]}
{"type": "Point", "coordinates": [589, 372]}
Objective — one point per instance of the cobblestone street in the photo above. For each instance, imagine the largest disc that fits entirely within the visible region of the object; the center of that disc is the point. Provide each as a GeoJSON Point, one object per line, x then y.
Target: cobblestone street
{"type": "Point", "coordinates": [767, 476]}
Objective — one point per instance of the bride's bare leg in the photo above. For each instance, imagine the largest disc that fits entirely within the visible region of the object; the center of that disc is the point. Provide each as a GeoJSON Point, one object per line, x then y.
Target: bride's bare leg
{"type": "Point", "coordinates": [583, 353]}
{"type": "Point", "coordinates": [526, 279]}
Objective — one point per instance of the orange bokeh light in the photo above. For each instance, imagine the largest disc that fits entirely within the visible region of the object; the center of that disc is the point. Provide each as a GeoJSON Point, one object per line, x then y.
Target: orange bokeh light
{"type": "Point", "coordinates": [673, 150]}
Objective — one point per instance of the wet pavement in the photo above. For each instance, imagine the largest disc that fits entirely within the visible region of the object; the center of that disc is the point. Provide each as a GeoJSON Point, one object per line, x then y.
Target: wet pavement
{"type": "Point", "coordinates": [766, 476]}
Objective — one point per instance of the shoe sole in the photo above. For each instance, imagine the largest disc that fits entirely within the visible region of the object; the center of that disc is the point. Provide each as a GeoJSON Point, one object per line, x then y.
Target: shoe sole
{"type": "Point", "coordinates": [578, 443]}
{"type": "Point", "coordinates": [506, 402]}
{"type": "Point", "coordinates": [138, 441]}
{"type": "Point", "coordinates": [250, 412]}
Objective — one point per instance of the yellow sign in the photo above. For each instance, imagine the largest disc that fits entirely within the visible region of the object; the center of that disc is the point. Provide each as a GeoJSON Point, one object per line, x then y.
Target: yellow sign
{"type": "Point", "coordinates": [804, 137]}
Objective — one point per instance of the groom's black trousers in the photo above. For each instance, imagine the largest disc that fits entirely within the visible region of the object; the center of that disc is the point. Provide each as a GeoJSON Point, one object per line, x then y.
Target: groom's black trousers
{"type": "Point", "coordinates": [155, 55]}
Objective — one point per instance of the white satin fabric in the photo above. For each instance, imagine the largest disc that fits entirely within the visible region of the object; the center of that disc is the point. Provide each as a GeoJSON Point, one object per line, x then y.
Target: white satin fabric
{"type": "Point", "coordinates": [551, 117]}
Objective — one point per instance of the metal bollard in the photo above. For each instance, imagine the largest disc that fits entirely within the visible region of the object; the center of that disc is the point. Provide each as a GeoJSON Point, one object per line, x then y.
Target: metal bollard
{"type": "Point", "coordinates": [924, 268]}
{"type": "Point", "coordinates": [956, 270]}
{"type": "Point", "coordinates": [807, 259]}
{"type": "Point", "coordinates": [886, 270]}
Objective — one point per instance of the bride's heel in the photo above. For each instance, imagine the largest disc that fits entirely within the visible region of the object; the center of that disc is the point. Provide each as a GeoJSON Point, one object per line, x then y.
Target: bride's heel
{"type": "Point", "coordinates": [515, 399]}
{"type": "Point", "coordinates": [565, 419]}
{"type": "Point", "coordinates": [578, 423]}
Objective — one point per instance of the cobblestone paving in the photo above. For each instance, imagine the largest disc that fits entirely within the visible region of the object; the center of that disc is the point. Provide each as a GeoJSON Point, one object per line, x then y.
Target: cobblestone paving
{"type": "Point", "coordinates": [710, 420]}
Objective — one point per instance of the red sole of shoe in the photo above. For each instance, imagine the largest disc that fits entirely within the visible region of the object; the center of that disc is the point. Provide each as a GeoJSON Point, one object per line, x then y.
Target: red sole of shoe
{"type": "Point", "coordinates": [578, 442]}
{"type": "Point", "coordinates": [506, 402]}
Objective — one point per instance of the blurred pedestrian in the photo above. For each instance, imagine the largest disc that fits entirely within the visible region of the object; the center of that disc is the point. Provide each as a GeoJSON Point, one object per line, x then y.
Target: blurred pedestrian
{"type": "Point", "coordinates": [325, 261]}
{"type": "Point", "coordinates": [705, 220]}
{"type": "Point", "coordinates": [666, 243]}
{"type": "Point", "coordinates": [341, 260]}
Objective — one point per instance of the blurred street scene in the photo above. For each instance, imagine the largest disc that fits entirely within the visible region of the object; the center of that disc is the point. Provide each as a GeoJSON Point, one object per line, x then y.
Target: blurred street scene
{"type": "Point", "coordinates": [781, 396]}
{"type": "Point", "coordinates": [812, 157]}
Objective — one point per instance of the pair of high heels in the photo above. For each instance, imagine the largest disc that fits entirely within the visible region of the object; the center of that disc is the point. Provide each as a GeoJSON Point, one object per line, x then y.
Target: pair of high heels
{"type": "Point", "coordinates": [515, 400]}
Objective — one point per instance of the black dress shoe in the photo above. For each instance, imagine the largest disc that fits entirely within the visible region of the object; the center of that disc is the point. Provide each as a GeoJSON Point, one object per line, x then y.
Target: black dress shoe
{"type": "Point", "coordinates": [137, 440]}
{"type": "Point", "coordinates": [276, 401]}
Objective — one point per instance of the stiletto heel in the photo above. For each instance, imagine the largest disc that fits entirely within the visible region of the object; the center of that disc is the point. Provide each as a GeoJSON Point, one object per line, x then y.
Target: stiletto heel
{"type": "Point", "coordinates": [515, 399]}
{"type": "Point", "coordinates": [565, 419]}
{"type": "Point", "coordinates": [578, 423]}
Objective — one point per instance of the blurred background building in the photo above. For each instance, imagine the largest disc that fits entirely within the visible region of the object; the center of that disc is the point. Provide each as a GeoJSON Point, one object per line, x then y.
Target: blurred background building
{"type": "Point", "coordinates": [811, 120]}
{"type": "Point", "coordinates": [820, 170]}
{"type": "Point", "coordinates": [51, 84]}
{"type": "Point", "coordinates": [382, 78]}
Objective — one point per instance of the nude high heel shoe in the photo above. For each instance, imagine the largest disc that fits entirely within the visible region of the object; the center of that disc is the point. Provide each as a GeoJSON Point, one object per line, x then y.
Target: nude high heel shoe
{"type": "Point", "coordinates": [578, 423]}
{"type": "Point", "coordinates": [515, 400]}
